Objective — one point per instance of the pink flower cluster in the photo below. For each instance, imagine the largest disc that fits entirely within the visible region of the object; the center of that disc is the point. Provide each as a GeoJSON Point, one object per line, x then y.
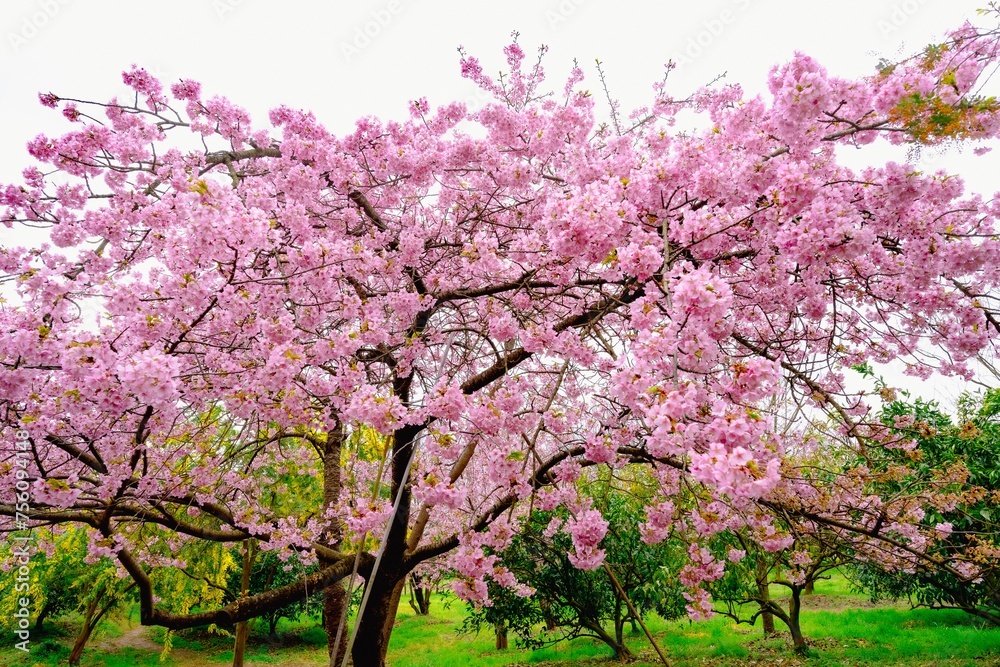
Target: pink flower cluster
{"type": "Point", "coordinates": [587, 528]}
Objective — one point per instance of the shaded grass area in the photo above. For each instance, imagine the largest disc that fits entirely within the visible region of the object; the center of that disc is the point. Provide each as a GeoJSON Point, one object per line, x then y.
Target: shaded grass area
{"type": "Point", "coordinates": [123, 643]}
{"type": "Point", "coordinates": [842, 627]}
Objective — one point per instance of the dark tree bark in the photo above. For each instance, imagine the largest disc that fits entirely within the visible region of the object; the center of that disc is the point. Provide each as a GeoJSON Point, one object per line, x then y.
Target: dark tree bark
{"type": "Point", "coordinates": [501, 636]}
{"type": "Point", "coordinates": [92, 615]}
{"type": "Point", "coordinates": [764, 593]}
{"type": "Point", "coordinates": [420, 596]}
{"type": "Point", "coordinates": [550, 621]}
{"type": "Point", "coordinates": [42, 615]}
{"type": "Point", "coordinates": [335, 600]}
{"type": "Point", "coordinates": [386, 589]}
{"type": "Point", "coordinates": [791, 617]}
{"type": "Point", "coordinates": [390, 617]}
{"type": "Point", "coordinates": [794, 607]}
{"type": "Point", "coordinates": [619, 621]}
{"type": "Point", "coordinates": [622, 652]}
{"type": "Point", "coordinates": [243, 627]}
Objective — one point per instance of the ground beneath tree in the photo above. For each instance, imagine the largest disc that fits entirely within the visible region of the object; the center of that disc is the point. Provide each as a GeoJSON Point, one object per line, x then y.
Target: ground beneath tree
{"type": "Point", "coordinates": [835, 602]}
{"type": "Point", "coordinates": [137, 637]}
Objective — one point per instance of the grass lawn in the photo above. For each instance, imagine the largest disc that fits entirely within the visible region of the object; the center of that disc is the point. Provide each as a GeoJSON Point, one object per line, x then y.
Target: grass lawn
{"type": "Point", "coordinates": [843, 630]}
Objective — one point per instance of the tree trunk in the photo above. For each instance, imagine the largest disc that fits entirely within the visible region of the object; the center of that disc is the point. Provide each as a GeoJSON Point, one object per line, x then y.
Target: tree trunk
{"type": "Point", "coordinates": [81, 639]}
{"type": "Point", "coordinates": [619, 621]}
{"type": "Point", "coordinates": [334, 607]}
{"type": "Point", "coordinates": [375, 627]}
{"type": "Point", "coordinates": [764, 593]}
{"type": "Point", "coordinates": [91, 617]}
{"type": "Point", "coordinates": [810, 587]}
{"type": "Point", "coordinates": [420, 596]}
{"type": "Point", "coordinates": [550, 621]}
{"type": "Point", "coordinates": [501, 633]}
{"type": "Point", "coordinates": [335, 602]}
{"type": "Point", "coordinates": [243, 628]}
{"type": "Point", "coordinates": [424, 601]}
{"type": "Point", "coordinates": [240, 643]}
{"type": "Point", "coordinates": [794, 607]}
{"type": "Point", "coordinates": [42, 615]}
{"type": "Point", "coordinates": [622, 652]}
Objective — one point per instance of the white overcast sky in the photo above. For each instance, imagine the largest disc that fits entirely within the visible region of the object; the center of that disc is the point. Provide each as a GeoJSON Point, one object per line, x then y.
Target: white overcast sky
{"type": "Point", "coordinates": [344, 60]}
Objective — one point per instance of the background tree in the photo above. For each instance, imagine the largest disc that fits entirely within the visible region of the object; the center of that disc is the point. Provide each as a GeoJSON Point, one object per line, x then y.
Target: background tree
{"type": "Point", "coordinates": [578, 603]}
{"type": "Point", "coordinates": [748, 581]}
{"type": "Point", "coordinates": [100, 594]}
{"type": "Point", "coordinates": [966, 453]}
{"type": "Point", "coordinates": [421, 587]}
{"type": "Point", "coordinates": [269, 572]}
{"type": "Point", "coordinates": [55, 570]}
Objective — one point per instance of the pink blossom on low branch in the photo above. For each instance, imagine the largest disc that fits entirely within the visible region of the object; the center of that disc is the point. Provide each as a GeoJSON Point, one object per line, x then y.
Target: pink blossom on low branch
{"type": "Point", "coordinates": [587, 529]}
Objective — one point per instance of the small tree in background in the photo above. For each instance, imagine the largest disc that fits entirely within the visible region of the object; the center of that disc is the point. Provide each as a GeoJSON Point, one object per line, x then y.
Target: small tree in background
{"type": "Point", "coordinates": [753, 570]}
{"type": "Point", "coordinates": [55, 568]}
{"type": "Point", "coordinates": [967, 452]}
{"type": "Point", "coordinates": [572, 602]}
{"type": "Point", "coordinates": [268, 572]}
{"type": "Point", "coordinates": [421, 586]}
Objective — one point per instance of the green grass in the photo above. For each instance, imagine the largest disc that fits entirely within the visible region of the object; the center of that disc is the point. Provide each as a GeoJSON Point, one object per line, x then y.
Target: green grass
{"type": "Point", "coordinates": [852, 633]}
{"type": "Point", "coordinates": [847, 631]}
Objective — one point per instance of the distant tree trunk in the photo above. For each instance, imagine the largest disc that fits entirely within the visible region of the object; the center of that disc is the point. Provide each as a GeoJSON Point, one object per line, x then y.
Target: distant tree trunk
{"type": "Point", "coordinates": [424, 601]}
{"type": "Point", "coordinates": [619, 621]}
{"type": "Point", "coordinates": [81, 639]}
{"type": "Point", "coordinates": [794, 607]}
{"type": "Point", "coordinates": [810, 587]}
{"type": "Point", "coordinates": [43, 614]}
{"type": "Point", "coordinates": [420, 596]}
{"type": "Point", "coordinates": [335, 602]}
{"type": "Point", "coordinates": [92, 615]}
{"type": "Point", "coordinates": [550, 621]}
{"type": "Point", "coordinates": [501, 634]}
{"type": "Point", "coordinates": [764, 593]}
{"type": "Point", "coordinates": [622, 652]}
{"type": "Point", "coordinates": [243, 628]}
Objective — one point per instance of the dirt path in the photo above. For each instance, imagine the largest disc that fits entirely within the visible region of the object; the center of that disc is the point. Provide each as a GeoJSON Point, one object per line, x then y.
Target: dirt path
{"type": "Point", "coordinates": [136, 637]}
{"type": "Point", "coordinates": [132, 637]}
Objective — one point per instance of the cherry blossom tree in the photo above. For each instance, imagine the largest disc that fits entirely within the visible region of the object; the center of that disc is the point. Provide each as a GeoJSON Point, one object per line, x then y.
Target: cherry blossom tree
{"type": "Point", "coordinates": [507, 297]}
